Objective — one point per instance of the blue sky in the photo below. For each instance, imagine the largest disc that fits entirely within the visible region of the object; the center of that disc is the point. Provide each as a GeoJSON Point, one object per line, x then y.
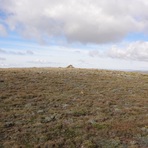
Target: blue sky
{"type": "Point", "coordinates": [87, 34]}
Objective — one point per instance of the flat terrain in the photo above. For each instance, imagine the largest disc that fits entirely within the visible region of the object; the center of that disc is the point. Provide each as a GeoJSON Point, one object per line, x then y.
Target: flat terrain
{"type": "Point", "coordinates": [69, 107]}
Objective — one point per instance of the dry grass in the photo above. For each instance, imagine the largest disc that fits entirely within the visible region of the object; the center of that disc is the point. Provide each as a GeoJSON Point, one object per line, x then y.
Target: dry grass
{"type": "Point", "coordinates": [59, 107]}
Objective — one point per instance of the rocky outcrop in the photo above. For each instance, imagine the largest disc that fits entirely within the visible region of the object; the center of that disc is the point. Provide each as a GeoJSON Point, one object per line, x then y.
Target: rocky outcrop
{"type": "Point", "coordinates": [70, 66]}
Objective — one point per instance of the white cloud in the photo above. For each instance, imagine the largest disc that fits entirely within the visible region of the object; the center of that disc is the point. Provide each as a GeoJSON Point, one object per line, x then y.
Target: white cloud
{"type": "Point", "coordinates": [42, 63]}
{"type": "Point", "coordinates": [54, 57]}
{"type": "Point", "coordinates": [133, 51]}
{"type": "Point", "coordinates": [2, 59]}
{"type": "Point", "coordinates": [3, 31]}
{"type": "Point", "coordinates": [3, 65]}
{"type": "Point", "coordinates": [28, 52]}
{"type": "Point", "coordinates": [2, 51]}
{"type": "Point", "coordinates": [94, 53]}
{"type": "Point", "coordinates": [16, 52]}
{"type": "Point", "coordinates": [85, 21]}
{"type": "Point", "coordinates": [39, 61]}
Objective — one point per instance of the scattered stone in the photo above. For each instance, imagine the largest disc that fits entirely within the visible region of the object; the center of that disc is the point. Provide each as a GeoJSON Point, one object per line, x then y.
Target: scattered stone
{"type": "Point", "coordinates": [81, 92]}
{"type": "Point", "coordinates": [19, 123]}
{"type": "Point", "coordinates": [88, 143]}
{"type": "Point", "coordinates": [144, 129]}
{"type": "Point", "coordinates": [28, 105]}
{"type": "Point", "coordinates": [133, 143]}
{"type": "Point", "coordinates": [9, 124]}
{"type": "Point", "coordinates": [91, 121]}
{"type": "Point", "coordinates": [48, 119]}
{"type": "Point", "coordinates": [65, 105]}
{"type": "Point", "coordinates": [43, 139]}
{"type": "Point", "coordinates": [1, 81]}
{"type": "Point", "coordinates": [58, 116]}
{"type": "Point", "coordinates": [40, 111]}
{"type": "Point", "coordinates": [117, 110]}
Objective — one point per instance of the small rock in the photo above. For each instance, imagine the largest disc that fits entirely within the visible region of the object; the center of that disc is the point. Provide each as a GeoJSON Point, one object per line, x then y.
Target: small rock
{"type": "Point", "coordinates": [48, 119]}
{"type": "Point", "coordinates": [82, 92]}
{"type": "Point", "coordinates": [144, 129]}
{"type": "Point", "coordinates": [70, 66]}
{"type": "Point", "coordinates": [40, 111]}
{"type": "Point", "coordinates": [28, 105]}
{"type": "Point", "coordinates": [117, 110]}
{"type": "Point", "coordinates": [19, 123]}
{"type": "Point", "coordinates": [91, 121]}
{"type": "Point", "coordinates": [1, 81]}
{"type": "Point", "coordinates": [9, 124]}
{"type": "Point", "coordinates": [43, 139]}
{"type": "Point", "coordinates": [58, 116]}
{"type": "Point", "coordinates": [133, 142]}
{"type": "Point", "coordinates": [65, 105]}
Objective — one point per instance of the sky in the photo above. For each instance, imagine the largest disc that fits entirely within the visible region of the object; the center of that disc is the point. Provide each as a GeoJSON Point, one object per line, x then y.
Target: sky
{"type": "Point", "coordinates": [102, 34]}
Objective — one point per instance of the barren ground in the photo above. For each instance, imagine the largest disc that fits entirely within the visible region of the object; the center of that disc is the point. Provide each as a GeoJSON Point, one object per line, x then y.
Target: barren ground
{"type": "Point", "coordinates": [82, 108]}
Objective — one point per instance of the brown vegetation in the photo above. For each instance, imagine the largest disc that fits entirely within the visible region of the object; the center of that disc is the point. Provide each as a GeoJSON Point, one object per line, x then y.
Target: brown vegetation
{"type": "Point", "coordinates": [51, 107]}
